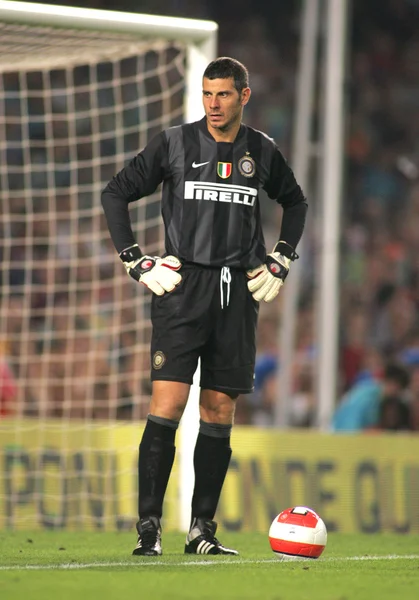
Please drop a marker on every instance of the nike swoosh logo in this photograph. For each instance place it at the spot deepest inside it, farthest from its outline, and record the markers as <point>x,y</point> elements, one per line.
<point>196,165</point>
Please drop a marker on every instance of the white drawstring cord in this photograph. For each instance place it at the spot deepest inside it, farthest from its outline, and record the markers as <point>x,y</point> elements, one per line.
<point>225,277</point>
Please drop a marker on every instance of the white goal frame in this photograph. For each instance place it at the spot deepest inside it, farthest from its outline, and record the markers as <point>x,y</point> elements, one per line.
<point>200,37</point>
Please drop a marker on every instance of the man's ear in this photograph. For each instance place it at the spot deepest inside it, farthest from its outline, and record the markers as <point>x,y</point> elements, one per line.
<point>246,92</point>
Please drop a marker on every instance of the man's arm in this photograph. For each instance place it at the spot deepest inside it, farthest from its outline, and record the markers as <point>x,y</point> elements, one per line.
<point>283,188</point>
<point>138,179</point>
<point>267,279</point>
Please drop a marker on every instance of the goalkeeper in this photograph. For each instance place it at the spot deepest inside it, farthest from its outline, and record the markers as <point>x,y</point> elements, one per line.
<point>206,288</point>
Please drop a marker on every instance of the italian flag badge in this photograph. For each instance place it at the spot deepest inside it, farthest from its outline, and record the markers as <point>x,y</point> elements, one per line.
<point>224,170</point>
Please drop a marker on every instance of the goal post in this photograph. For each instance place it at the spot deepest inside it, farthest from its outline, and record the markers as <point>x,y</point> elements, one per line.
<point>81,92</point>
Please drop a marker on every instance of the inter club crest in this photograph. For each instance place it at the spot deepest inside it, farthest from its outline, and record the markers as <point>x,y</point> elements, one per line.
<point>247,166</point>
<point>224,170</point>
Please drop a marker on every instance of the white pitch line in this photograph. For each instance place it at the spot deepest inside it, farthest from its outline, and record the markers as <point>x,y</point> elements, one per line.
<point>378,557</point>
<point>194,563</point>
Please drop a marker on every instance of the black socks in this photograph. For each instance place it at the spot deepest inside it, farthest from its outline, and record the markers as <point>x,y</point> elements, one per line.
<point>157,453</point>
<point>211,459</point>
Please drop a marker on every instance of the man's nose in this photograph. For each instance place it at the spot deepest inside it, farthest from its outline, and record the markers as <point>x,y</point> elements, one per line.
<point>214,102</point>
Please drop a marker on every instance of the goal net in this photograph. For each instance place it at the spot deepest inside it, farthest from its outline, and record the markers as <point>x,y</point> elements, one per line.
<point>81,92</point>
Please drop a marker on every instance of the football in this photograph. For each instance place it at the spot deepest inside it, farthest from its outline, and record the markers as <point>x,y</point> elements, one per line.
<point>298,532</point>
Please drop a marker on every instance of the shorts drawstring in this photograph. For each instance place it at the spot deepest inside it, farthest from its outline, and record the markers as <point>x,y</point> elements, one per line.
<point>225,278</point>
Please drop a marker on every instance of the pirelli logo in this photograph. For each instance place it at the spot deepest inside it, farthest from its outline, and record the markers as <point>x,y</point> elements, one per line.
<point>220,192</point>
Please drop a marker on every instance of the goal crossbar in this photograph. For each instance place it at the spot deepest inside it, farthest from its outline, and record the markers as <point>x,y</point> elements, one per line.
<point>190,30</point>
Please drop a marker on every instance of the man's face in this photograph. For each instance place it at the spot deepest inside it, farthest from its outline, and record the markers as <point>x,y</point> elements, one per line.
<point>222,103</point>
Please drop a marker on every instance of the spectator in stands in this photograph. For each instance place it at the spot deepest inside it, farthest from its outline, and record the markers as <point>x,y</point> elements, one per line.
<point>394,414</point>
<point>372,401</point>
<point>302,404</point>
<point>262,400</point>
<point>414,398</point>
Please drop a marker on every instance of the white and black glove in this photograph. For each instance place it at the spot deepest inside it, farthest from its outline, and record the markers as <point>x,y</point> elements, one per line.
<point>267,279</point>
<point>158,274</point>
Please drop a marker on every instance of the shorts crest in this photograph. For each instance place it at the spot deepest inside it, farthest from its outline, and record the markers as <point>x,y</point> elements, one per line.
<point>158,360</point>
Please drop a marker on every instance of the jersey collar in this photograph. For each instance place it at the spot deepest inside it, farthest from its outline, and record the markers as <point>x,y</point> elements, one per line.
<point>202,124</point>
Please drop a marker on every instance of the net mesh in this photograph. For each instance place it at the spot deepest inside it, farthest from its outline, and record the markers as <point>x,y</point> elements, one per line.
<point>75,106</point>
<point>74,327</point>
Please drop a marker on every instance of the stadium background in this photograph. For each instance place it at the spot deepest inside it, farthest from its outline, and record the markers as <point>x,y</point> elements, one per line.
<point>365,482</point>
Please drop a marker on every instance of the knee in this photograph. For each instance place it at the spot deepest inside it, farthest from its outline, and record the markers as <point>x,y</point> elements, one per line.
<point>167,410</point>
<point>217,407</point>
<point>169,399</point>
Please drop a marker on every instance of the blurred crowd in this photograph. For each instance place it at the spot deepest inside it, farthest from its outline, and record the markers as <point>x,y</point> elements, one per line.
<point>379,269</point>
<point>379,326</point>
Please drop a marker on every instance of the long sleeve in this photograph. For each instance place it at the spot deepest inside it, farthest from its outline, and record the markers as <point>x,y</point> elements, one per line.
<point>283,188</point>
<point>139,178</point>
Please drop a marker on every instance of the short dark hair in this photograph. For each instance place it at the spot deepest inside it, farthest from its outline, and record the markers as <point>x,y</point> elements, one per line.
<point>226,68</point>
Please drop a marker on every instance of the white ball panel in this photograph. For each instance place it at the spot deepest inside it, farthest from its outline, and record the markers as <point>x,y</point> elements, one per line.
<point>320,534</point>
<point>292,533</point>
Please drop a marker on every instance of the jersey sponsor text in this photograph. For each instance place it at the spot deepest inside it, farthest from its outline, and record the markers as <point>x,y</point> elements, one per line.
<point>220,192</point>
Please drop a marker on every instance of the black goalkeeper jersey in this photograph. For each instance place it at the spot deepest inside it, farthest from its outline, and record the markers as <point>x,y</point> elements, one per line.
<point>210,196</point>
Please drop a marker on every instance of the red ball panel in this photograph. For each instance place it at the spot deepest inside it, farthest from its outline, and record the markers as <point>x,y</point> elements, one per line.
<point>296,549</point>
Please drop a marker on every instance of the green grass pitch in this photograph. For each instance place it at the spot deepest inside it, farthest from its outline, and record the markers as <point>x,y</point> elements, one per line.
<point>56,564</point>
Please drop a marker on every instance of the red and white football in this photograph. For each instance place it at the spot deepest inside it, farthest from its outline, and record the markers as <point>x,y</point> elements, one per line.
<point>298,532</point>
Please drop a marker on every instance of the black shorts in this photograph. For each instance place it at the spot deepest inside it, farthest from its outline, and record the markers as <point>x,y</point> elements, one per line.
<point>210,316</point>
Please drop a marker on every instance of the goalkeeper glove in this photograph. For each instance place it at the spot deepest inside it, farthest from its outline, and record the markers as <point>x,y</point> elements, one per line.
<point>158,274</point>
<point>266,280</point>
